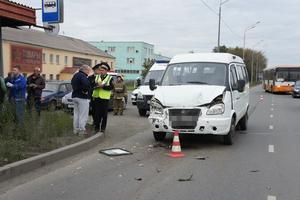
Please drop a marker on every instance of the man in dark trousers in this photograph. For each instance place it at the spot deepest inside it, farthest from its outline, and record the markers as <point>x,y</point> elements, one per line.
<point>2,90</point>
<point>101,95</point>
<point>9,78</point>
<point>92,78</point>
<point>35,86</point>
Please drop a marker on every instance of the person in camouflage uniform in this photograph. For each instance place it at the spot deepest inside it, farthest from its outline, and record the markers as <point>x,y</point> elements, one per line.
<point>119,95</point>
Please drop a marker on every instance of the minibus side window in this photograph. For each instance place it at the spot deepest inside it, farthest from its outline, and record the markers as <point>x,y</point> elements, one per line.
<point>241,75</point>
<point>246,74</point>
<point>233,78</point>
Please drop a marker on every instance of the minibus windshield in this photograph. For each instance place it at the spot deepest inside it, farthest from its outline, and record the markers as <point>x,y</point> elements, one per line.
<point>155,74</point>
<point>195,73</point>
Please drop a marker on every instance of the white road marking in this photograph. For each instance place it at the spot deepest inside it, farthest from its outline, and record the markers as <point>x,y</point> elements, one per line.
<point>271,148</point>
<point>271,116</point>
<point>272,104</point>
<point>259,133</point>
<point>271,127</point>
<point>271,198</point>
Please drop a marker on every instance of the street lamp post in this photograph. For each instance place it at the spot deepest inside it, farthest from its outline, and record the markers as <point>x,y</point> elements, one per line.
<point>220,16</point>
<point>252,67</point>
<point>258,66</point>
<point>247,29</point>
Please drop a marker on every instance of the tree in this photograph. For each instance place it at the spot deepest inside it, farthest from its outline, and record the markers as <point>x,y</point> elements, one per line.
<point>223,49</point>
<point>147,65</point>
<point>253,58</point>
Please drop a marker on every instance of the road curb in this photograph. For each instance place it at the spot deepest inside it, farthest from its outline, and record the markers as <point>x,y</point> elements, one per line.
<point>20,167</point>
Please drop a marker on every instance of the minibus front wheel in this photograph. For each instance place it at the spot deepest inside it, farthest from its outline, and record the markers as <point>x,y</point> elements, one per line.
<point>159,136</point>
<point>227,139</point>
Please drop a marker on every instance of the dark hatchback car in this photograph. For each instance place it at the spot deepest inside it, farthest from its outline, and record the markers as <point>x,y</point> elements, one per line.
<point>53,94</point>
<point>296,89</point>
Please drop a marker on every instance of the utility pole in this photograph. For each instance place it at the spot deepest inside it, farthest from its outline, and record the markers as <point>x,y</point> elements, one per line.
<point>1,52</point>
<point>220,17</point>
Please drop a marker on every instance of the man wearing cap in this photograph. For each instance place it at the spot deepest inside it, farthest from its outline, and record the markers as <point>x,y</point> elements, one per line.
<point>93,84</point>
<point>120,95</point>
<point>35,86</point>
<point>101,95</point>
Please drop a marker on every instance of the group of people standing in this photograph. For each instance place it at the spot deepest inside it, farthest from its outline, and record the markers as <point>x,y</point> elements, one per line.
<point>14,88</point>
<point>95,92</point>
<point>91,94</point>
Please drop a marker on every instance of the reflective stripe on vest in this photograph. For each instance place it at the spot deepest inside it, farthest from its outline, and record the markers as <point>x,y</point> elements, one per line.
<point>99,92</point>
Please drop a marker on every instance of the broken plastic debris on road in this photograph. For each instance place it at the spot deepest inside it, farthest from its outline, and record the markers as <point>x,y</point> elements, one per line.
<point>115,152</point>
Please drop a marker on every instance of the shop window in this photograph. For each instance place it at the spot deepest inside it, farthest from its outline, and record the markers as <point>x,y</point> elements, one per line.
<point>51,77</point>
<point>66,60</point>
<point>57,59</point>
<point>51,58</point>
<point>44,58</point>
<point>57,77</point>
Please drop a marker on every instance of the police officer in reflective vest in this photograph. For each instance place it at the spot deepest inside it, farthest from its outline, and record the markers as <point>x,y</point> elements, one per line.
<point>101,95</point>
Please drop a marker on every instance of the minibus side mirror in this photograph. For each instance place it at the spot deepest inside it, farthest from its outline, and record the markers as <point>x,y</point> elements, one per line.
<point>241,85</point>
<point>152,85</point>
<point>138,82</point>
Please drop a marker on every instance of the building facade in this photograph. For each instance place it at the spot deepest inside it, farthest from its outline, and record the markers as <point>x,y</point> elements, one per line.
<point>130,56</point>
<point>59,57</point>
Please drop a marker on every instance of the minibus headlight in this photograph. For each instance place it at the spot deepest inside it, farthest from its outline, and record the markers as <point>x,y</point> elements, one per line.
<point>140,96</point>
<point>156,107</point>
<point>217,109</point>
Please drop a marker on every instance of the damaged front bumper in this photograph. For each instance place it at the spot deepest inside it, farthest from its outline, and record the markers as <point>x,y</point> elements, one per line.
<point>190,121</point>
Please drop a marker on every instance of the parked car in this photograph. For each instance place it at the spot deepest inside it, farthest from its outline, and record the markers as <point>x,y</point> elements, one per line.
<point>296,89</point>
<point>133,96</point>
<point>67,100</point>
<point>53,93</point>
<point>201,94</point>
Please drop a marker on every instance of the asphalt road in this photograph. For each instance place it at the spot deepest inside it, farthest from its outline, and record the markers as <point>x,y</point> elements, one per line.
<point>263,163</point>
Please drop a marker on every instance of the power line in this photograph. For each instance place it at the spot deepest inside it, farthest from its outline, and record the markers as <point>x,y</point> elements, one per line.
<point>230,29</point>
<point>216,13</point>
<point>210,8</point>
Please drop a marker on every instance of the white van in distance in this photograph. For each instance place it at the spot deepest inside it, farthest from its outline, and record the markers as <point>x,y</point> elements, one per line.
<point>144,94</point>
<point>201,94</point>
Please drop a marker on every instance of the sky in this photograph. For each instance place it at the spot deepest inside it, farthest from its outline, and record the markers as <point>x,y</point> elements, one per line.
<point>181,26</point>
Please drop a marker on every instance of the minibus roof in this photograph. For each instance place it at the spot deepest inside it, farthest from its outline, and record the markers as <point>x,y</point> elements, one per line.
<point>206,57</point>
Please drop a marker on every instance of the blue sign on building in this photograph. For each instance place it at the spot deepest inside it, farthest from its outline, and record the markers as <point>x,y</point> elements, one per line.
<point>52,11</point>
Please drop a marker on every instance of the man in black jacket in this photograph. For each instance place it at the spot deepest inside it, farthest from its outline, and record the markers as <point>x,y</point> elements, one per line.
<point>35,86</point>
<point>101,95</point>
<point>81,95</point>
<point>2,90</point>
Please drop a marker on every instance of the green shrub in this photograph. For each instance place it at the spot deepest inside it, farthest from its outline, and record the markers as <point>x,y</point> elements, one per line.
<point>11,150</point>
<point>35,135</point>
